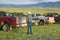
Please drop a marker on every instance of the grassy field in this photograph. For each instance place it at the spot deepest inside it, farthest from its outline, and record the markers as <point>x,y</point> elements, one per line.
<point>36,10</point>
<point>47,32</point>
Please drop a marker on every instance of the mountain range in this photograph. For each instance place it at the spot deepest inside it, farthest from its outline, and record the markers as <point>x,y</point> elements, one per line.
<point>43,5</point>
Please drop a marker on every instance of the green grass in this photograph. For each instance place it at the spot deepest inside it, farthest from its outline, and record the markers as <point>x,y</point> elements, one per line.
<point>47,32</point>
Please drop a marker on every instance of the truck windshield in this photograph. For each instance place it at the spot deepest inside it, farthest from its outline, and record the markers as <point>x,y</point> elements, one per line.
<point>2,13</point>
<point>16,14</point>
<point>38,14</point>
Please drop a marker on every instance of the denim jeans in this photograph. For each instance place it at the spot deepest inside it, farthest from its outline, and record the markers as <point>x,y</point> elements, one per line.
<point>29,31</point>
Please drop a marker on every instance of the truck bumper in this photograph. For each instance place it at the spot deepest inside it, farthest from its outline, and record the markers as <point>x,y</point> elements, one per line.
<point>21,25</point>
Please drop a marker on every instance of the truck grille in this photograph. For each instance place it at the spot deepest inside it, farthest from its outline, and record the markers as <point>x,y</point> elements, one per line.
<point>22,21</point>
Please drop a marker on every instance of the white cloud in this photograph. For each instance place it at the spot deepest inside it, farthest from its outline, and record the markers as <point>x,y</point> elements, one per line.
<point>24,1</point>
<point>18,1</point>
<point>50,0</point>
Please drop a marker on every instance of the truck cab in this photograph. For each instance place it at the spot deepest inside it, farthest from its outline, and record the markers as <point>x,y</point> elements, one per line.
<point>55,15</point>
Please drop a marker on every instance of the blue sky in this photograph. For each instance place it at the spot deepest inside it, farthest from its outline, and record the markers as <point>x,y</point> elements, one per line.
<point>20,2</point>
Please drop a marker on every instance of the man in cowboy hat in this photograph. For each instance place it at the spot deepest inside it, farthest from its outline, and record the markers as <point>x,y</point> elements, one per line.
<point>29,23</point>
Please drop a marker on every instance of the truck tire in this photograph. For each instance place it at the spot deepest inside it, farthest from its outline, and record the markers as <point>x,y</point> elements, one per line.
<point>5,27</point>
<point>42,22</point>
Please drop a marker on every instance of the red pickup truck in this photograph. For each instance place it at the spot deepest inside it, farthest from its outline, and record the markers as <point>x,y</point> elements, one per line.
<point>9,20</point>
<point>55,15</point>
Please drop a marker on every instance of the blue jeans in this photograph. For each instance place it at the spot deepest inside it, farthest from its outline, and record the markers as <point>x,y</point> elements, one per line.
<point>29,31</point>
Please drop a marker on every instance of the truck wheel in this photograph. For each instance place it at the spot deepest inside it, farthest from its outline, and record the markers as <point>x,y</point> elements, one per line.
<point>41,22</point>
<point>6,27</point>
